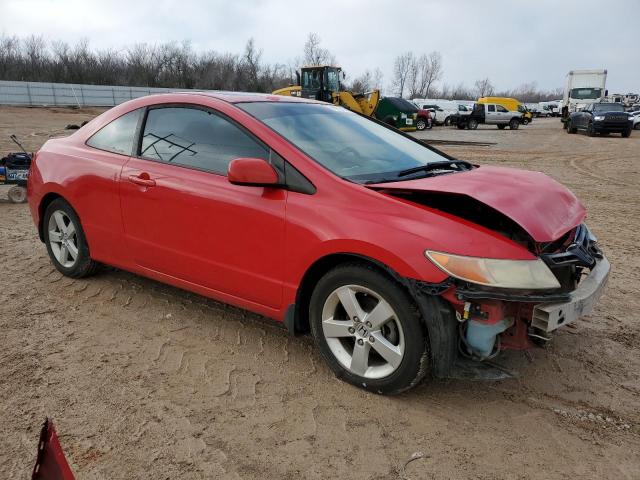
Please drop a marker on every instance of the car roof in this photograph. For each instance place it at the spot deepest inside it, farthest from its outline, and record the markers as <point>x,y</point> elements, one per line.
<point>239,97</point>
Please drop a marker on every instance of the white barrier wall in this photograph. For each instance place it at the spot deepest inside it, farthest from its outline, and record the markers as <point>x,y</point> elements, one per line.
<point>70,94</point>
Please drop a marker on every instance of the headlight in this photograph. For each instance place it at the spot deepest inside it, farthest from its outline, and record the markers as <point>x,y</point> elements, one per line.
<point>598,118</point>
<point>522,274</point>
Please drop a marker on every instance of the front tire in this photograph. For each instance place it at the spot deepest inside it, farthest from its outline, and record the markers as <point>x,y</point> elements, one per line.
<point>590,131</point>
<point>501,127</point>
<point>626,133</point>
<point>447,121</point>
<point>368,329</point>
<point>65,240</point>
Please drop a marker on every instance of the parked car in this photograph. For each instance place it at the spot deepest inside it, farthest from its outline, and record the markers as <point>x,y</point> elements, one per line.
<point>394,255</point>
<point>424,120</point>
<point>397,112</point>
<point>510,104</point>
<point>443,109</point>
<point>602,118</point>
<point>635,116</point>
<point>490,114</point>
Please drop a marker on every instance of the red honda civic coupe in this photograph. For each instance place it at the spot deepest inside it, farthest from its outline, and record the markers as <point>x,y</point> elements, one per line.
<point>399,259</point>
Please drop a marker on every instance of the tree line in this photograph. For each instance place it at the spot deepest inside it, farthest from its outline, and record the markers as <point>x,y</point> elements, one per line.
<point>177,65</point>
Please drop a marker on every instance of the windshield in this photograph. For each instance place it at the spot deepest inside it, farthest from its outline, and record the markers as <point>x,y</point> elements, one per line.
<point>608,107</point>
<point>347,144</point>
<point>585,93</point>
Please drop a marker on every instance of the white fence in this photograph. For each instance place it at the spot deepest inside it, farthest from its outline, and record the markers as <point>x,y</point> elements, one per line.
<point>70,94</point>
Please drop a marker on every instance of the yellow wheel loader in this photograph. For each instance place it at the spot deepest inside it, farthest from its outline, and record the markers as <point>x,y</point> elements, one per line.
<point>322,83</point>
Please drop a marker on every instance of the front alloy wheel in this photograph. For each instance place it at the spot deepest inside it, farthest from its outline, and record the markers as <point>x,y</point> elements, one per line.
<point>362,331</point>
<point>368,329</point>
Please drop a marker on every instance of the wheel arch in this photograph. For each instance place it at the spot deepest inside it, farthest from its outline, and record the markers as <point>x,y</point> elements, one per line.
<point>436,314</point>
<point>297,318</point>
<point>46,200</point>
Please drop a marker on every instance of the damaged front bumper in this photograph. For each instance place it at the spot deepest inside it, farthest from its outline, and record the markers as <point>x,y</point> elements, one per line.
<point>549,316</point>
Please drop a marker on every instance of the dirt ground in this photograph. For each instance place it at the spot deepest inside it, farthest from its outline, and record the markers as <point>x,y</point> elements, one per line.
<point>148,381</point>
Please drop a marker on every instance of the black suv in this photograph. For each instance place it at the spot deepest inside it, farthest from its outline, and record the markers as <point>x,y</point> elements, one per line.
<point>604,118</point>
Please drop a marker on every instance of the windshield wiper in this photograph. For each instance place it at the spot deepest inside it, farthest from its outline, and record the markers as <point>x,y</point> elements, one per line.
<point>442,165</point>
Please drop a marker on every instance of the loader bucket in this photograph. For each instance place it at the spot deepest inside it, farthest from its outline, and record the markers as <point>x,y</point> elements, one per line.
<point>51,463</point>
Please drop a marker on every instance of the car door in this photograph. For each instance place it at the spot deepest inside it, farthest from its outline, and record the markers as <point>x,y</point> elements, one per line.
<point>181,216</point>
<point>503,115</point>
<point>492,117</point>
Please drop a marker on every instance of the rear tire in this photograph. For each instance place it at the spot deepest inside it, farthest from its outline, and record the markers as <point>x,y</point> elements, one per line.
<point>17,194</point>
<point>473,124</point>
<point>354,348</point>
<point>65,240</point>
<point>514,124</point>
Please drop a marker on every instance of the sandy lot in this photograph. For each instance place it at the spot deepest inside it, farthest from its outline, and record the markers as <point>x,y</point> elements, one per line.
<point>148,381</point>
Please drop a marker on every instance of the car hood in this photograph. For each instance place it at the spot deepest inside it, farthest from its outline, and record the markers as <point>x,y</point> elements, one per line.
<point>542,207</point>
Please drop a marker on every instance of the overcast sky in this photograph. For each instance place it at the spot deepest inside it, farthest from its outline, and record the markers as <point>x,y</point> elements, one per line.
<point>511,42</point>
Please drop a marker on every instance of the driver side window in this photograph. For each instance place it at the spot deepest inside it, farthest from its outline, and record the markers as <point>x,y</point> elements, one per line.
<point>196,138</point>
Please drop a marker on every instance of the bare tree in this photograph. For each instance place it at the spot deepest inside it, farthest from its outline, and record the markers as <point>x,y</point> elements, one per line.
<point>363,83</point>
<point>314,54</point>
<point>432,72</point>
<point>401,72</point>
<point>252,65</point>
<point>483,88</point>
<point>376,81</point>
<point>424,71</point>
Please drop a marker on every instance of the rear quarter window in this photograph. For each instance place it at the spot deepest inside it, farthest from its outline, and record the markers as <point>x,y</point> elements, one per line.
<point>118,136</point>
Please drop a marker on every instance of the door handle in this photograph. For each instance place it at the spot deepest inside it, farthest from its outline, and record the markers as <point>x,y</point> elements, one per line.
<point>142,180</point>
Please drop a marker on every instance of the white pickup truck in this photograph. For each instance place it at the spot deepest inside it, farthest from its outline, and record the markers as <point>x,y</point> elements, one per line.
<point>489,114</point>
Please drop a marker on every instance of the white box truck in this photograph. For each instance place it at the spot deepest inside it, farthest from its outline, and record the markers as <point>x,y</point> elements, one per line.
<point>582,88</point>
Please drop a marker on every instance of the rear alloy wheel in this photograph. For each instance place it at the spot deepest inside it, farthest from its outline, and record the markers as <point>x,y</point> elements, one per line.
<point>421,124</point>
<point>65,240</point>
<point>368,329</point>
<point>473,124</point>
<point>514,124</point>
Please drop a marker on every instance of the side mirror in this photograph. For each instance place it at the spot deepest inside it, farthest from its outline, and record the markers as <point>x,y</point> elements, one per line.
<point>254,172</point>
